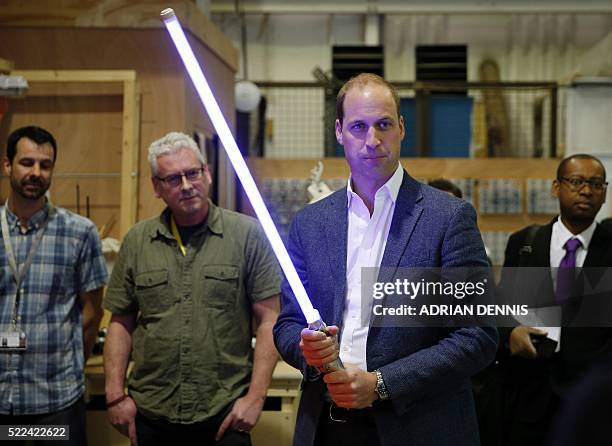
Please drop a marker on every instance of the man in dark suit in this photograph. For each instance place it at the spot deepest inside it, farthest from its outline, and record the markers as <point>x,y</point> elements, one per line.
<point>537,383</point>
<point>401,385</point>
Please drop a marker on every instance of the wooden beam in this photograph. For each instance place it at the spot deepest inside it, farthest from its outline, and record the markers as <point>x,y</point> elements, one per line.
<point>68,89</point>
<point>76,75</point>
<point>129,156</point>
<point>455,168</point>
<point>118,14</point>
<point>478,169</point>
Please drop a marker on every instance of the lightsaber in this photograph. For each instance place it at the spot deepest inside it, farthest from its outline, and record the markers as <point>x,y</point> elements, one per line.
<point>242,171</point>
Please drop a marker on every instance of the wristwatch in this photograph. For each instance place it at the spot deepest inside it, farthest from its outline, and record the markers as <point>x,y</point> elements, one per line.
<point>381,388</point>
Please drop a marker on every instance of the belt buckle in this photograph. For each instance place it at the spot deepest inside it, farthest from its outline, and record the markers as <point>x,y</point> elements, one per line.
<point>333,418</point>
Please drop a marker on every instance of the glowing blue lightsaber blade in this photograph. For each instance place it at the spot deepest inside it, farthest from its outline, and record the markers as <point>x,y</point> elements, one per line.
<point>231,148</point>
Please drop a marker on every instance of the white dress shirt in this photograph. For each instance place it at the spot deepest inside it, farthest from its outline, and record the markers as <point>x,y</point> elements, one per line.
<point>367,238</point>
<point>560,235</point>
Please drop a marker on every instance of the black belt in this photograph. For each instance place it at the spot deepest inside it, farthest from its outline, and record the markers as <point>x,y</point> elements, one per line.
<point>342,415</point>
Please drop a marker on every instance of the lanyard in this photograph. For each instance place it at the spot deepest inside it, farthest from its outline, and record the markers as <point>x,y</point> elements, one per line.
<point>20,273</point>
<point>177,235</point>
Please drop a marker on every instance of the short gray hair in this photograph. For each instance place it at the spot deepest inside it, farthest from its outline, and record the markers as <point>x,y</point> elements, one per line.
<point>171,143</point>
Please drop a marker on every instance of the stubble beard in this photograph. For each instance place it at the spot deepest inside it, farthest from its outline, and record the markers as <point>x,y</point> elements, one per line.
<point>20,188</point>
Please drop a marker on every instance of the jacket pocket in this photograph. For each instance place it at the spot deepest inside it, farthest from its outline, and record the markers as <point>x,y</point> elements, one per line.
<point>151,289</point>
<point>220,285</point>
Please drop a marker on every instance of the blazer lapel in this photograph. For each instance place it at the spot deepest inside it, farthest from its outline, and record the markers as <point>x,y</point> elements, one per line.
<point>405,216</point>
<point>541,245</point>
<point>541,258</point>
<point>334,225</point>
<point>598,248</point>
<point>596,263</point>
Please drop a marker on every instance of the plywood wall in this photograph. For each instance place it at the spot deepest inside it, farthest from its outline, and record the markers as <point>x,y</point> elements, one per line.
<point>86,120</point>
<point>84,150</point>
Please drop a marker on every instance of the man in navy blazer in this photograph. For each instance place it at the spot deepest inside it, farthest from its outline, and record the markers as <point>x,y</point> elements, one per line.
<point>407,386</point>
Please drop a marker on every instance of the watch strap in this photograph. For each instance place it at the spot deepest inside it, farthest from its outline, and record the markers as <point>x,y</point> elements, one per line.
<point>381,387</point>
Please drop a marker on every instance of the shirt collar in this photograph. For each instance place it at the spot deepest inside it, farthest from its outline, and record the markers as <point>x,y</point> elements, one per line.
<point>35,220</point>
<point>391,187</point>
<point>562,234</point>
<point>214,222</point>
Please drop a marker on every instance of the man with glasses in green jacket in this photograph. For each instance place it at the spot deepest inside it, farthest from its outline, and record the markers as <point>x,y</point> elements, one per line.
<point>184,291</point>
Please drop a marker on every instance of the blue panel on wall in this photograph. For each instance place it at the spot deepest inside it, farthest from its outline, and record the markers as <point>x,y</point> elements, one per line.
<point>450,127</point>
<point>409,113</point>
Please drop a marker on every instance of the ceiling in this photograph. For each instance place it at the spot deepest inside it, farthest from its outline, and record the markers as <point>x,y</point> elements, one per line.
<point>409,6</point>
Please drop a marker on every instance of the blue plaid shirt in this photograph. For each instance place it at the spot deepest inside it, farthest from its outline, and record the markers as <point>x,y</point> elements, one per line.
<point>49,375</point>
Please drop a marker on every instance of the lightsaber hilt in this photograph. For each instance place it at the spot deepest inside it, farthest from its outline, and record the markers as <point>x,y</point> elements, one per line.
<point>336,364</point>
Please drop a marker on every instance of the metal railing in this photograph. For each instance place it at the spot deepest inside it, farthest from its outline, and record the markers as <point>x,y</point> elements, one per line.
<point>505,119</point>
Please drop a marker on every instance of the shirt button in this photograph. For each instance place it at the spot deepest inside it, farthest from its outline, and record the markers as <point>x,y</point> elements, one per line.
<point>346,349</point>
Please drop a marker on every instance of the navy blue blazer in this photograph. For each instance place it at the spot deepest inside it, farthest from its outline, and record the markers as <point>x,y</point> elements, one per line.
<point>427,370</point>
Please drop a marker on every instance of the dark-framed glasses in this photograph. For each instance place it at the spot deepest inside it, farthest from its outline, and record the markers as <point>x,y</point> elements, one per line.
<point>176,179</point>
<point>577,183</point>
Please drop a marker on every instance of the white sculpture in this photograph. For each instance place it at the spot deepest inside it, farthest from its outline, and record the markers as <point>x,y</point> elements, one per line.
<point>317,189</point>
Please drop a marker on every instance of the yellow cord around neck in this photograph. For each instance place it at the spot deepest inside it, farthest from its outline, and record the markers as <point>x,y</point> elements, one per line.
<point>177,235</point>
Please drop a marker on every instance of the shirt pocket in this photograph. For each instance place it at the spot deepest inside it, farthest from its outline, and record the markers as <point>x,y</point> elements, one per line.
<point>220,285</point>
<point>151,289</point>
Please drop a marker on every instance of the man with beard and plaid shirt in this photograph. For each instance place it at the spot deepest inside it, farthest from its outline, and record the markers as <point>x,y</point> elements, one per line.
<point>52,273</point>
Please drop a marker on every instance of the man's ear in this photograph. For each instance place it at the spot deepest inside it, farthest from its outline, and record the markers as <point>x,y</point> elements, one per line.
<point>207,175</point>
<point>554,190</point>
<point>7,166</point>
<point>156,186</point>
<point>339,132</point>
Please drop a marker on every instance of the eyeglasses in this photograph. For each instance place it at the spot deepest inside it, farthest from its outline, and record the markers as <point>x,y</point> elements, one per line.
<point>578,183</point>
<point>174,180</point>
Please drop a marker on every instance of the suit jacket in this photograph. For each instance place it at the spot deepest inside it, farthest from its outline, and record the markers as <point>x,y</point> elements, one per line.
<point>587,413</point>
<point>426,370</point>
<point>541,379</point>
